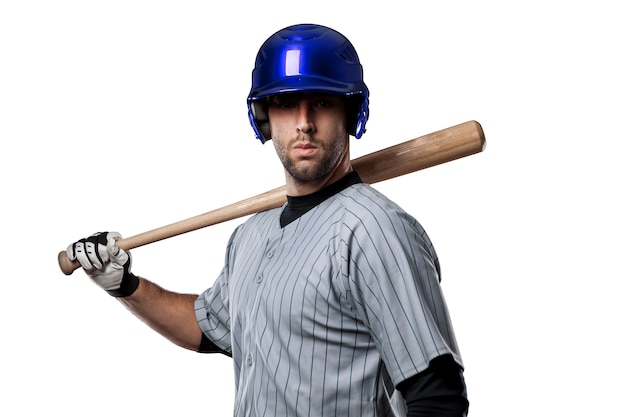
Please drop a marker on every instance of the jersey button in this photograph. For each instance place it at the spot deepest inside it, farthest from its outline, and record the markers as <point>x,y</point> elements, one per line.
<point>270,254</point>
<point>259,279</point>
<point>249,360</point>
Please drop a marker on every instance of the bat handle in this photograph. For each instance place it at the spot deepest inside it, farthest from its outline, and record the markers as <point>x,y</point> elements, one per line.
<point>66,265</point>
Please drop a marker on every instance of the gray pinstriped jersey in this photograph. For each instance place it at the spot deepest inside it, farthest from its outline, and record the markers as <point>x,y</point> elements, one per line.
<point>317,312</point>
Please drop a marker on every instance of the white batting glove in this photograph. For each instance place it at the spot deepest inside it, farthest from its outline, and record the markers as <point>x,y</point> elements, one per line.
<point>105,263</point>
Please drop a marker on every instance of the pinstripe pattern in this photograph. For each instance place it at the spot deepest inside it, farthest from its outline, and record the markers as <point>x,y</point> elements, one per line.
<point>310,310</point>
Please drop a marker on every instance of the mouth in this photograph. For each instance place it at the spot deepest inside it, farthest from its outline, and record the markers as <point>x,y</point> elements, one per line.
<point>305,149</point>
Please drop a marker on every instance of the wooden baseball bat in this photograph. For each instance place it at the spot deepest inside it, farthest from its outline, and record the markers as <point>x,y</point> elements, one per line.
<point>425,151</point>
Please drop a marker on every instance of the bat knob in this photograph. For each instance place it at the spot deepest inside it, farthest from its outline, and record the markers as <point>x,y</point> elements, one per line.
<point>66,265</point>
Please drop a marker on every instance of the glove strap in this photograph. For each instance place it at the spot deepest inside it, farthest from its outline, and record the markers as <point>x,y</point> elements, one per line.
<point>129,284</point>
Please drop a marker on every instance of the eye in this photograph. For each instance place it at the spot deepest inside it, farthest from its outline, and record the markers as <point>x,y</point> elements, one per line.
<point>327,102</point>
<point>282,103</point>
<point>323,103</point>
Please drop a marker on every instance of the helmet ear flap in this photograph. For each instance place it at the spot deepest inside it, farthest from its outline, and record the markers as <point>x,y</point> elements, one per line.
<point>361,118</point>
<point>357,110</point>
<point>260,120</point>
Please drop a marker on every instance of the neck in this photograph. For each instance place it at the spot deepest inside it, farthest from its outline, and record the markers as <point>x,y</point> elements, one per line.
<point>295,188</point>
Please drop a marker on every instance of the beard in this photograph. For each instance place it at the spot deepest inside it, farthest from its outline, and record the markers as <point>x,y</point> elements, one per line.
<point>317,169</point>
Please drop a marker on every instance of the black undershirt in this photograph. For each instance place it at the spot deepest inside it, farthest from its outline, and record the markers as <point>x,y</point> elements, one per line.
<point>298,206</point>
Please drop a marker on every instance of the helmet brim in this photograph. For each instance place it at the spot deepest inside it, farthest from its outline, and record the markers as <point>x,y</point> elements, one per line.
<point>307,84</point>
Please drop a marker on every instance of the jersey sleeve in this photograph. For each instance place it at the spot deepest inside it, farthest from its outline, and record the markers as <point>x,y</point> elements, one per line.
<point>212,307</point>
<point>392,278</point>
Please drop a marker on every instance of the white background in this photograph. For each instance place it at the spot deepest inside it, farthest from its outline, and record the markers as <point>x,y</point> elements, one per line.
<point>130,115</point>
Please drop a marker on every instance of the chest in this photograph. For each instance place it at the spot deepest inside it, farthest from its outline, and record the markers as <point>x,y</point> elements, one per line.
<point>289,279</point>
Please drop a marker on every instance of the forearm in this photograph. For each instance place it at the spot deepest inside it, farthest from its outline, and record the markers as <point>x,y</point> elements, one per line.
<point>170,314</point>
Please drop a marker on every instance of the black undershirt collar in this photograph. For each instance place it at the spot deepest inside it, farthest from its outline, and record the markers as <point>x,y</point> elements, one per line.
<point>297,206</point>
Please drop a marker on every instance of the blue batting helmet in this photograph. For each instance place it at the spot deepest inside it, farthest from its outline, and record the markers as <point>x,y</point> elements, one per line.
<point>312,58</point>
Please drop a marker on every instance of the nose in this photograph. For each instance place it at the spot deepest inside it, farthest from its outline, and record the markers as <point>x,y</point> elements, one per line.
<point>305,122</point>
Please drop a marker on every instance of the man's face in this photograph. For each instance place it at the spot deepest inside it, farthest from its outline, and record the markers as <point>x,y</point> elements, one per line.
<point>309,134</point>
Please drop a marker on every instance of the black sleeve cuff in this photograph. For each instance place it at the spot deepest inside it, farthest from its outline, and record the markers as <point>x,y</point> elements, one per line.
<point>438,391</point>
<point>129,285</point>
<point>206,346</point>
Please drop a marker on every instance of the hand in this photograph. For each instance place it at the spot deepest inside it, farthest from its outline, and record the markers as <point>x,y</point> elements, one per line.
<point>105,263</point>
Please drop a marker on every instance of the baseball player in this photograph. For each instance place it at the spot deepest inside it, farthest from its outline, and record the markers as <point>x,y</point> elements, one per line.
<point>330,305</point>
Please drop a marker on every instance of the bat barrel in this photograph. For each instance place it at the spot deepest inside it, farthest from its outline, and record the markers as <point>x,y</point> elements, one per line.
<point>423,152</point>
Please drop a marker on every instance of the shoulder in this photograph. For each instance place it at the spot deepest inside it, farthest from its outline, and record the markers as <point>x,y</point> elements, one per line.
<point>255,226</point>
<point>262,218</point>
<point>374,221</point>
<point>365,203</point>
